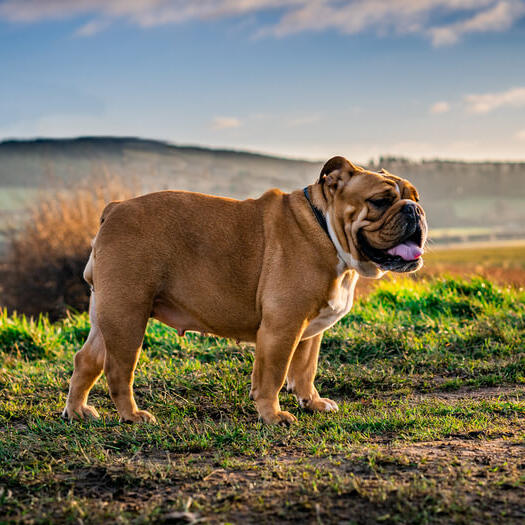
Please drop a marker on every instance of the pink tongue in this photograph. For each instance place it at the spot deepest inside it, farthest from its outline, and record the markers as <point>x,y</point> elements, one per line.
<point>408,251</point>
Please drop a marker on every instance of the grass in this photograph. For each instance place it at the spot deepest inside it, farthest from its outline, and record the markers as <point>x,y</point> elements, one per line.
<point>430,377</point>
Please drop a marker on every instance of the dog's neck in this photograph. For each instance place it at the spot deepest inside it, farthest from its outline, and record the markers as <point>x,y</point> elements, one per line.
<point>319,215</point>
<point>346,260</point>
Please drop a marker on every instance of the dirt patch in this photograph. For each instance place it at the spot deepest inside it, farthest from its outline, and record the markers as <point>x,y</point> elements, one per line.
<point>481,451</point>
<point>385,483</point>
<point>461,480</point>
<point>478,393</point>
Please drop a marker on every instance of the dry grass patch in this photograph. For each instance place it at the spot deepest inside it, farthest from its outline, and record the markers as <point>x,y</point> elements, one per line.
<point>46,256</point>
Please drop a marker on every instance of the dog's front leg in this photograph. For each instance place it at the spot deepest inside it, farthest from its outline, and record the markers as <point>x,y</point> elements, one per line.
<point>273,353</point>
<point>301,375</point>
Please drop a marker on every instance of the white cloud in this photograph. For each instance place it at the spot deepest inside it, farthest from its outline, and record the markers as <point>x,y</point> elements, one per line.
<point>225,123</point>
<point>349,17</point>
<point>92,27</point>
<point>498,17</point>
<point>30,11</point>
<point>487,102</point>
<point>520,135</point>
<point>439,107</point>
<point>144,13</point>
<point>387,16</point>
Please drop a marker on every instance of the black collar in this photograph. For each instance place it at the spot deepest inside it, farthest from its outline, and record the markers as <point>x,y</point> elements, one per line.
<point>317,212</point>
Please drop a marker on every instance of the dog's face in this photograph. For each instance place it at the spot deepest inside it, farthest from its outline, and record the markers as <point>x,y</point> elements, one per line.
<point>375,218</point>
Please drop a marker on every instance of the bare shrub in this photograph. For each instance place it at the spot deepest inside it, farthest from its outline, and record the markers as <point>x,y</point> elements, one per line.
<point>46,255</point>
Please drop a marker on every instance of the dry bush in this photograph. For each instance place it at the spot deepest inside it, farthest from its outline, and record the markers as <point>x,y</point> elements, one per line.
<point>46,255</point>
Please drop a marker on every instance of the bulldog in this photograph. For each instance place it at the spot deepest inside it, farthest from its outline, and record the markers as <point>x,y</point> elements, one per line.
<point>277,271</point>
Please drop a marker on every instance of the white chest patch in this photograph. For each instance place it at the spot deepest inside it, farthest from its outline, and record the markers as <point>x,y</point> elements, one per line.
<point>338,305</point>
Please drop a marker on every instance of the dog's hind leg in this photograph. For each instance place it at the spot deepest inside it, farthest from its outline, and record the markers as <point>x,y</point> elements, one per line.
<point>301,375</point>
<point>123,334</point>
<point>89,362</point>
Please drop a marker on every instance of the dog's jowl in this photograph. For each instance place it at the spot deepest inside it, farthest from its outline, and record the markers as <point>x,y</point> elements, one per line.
<point>277,271</point>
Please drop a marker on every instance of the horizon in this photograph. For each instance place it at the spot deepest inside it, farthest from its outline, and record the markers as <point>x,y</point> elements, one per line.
<point>294,79</point>
<point>219,149</point>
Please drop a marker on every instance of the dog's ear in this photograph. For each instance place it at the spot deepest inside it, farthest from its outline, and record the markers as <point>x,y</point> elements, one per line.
<point>338,164</point>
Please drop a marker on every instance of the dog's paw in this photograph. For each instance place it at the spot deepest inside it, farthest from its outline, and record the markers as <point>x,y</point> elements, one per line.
<point>81,412</point>
<point>140,416</point>
<point>321,404</point>
<point>280,418</point>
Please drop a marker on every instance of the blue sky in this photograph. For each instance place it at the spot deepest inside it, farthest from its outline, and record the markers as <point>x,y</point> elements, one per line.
<point>419,78</point>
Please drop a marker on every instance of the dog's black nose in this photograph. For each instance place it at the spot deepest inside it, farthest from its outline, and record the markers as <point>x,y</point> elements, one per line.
<point>412,210</point>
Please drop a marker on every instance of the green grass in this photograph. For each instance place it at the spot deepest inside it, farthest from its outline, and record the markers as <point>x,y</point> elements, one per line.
<point>430,377</point>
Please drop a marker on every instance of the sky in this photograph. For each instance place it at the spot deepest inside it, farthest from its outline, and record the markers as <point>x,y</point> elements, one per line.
<point>303,79</point>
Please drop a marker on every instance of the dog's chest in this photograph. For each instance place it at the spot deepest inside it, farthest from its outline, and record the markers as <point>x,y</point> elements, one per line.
<point>338,305</point>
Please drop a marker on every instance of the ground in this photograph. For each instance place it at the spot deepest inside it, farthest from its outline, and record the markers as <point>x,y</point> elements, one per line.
<point>429,375</point>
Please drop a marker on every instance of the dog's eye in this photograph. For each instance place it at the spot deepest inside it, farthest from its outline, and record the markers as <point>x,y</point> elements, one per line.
<point>379,203</point>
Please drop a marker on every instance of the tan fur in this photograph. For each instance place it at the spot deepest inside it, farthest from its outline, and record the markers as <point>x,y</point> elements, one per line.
<point>256,270</point>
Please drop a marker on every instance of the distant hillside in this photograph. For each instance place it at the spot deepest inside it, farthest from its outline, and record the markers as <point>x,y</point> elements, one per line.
<point>155,164</point>
<point>455,194</point>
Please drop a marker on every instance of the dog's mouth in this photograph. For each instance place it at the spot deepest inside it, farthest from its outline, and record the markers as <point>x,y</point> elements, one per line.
<point>404,256</point>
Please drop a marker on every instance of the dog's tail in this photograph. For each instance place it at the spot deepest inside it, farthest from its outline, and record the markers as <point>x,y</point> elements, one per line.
<point>88,270</point>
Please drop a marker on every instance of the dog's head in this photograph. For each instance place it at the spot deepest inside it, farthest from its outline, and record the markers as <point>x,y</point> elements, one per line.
<point>374,218</point>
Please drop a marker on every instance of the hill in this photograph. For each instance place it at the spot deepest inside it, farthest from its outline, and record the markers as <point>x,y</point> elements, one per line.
<point>154,164</point>
<point>479,198</point>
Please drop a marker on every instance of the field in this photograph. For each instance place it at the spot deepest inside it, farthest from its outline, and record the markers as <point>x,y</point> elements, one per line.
<point>502,262</point>
<point>430,377</point>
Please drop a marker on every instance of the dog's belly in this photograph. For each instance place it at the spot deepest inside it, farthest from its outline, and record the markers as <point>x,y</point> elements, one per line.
<point>338,306</point>
<point>179,319</point>
<point>183,321</point>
